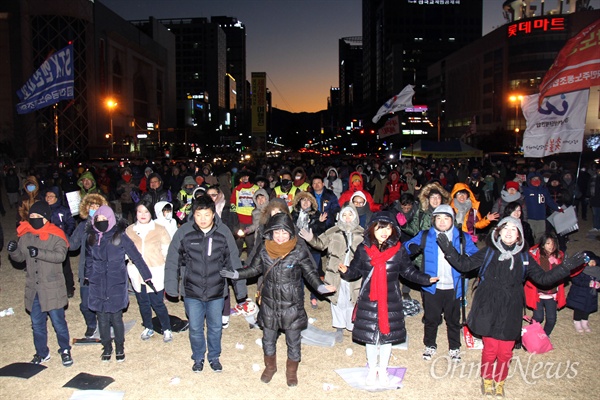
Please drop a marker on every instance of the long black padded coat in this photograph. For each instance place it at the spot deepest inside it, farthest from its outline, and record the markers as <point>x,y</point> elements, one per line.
<point>282,306</point>
<point>366,327</point>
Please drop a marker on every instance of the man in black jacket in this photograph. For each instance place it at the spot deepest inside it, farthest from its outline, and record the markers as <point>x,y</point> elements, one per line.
<point>200,249</point>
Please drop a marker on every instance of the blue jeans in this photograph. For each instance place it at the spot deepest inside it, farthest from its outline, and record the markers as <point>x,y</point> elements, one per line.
<point>88,315</point>
<point>197,312</point>
<point>148,301</point>
<point>39,320</point>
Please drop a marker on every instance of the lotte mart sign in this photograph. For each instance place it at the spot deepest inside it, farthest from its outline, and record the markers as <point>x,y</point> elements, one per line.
<point>536,26</point>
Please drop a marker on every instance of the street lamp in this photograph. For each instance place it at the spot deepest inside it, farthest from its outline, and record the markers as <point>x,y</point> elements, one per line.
<point>111,104</point>
<point>516,98</point>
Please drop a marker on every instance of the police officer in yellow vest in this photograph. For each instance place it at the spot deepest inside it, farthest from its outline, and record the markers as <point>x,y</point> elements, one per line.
<point>242,204</point>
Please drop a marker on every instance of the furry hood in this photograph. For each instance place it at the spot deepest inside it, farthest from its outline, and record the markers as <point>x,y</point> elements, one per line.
<point>348,226</point>
<point>260,192</point>
<point>304,195</point>
<point>89,199</point>
<point>275,203</point>
<point>424,194</point>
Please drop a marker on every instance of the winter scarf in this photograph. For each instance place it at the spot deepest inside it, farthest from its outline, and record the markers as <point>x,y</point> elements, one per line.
<point>379,287</point>
<point>280,250</point>
<point>44,232</point>
<point>508,252</point>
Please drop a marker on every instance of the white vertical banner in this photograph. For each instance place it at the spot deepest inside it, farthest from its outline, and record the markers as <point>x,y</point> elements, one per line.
<point>556,126</point>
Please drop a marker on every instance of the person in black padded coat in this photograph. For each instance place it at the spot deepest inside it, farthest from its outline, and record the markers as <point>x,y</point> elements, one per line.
<point>379,323</point>
<point>283,262</point>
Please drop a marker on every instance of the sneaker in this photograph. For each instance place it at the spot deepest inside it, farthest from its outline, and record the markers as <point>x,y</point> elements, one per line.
<point>37,359</point>
<point>198,366</point>
<point>106,355</point>
<point>245,308</point>
<point>500,389</point>
<point>216,365</point>
<point>455,355</point>
<point>89,332</point>
<point>167,336</point>
<point>147,334</point>
<point>487,387</point>
<point>429,352</point>
<point>225,321</point>
<point>67,360</point>
<point>120,357</point>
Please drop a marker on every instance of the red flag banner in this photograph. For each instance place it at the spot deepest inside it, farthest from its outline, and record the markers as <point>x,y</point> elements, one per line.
<point>577,65</point>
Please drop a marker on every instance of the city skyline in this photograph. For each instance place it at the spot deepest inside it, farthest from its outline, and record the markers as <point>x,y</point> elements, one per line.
<point>298,49</point>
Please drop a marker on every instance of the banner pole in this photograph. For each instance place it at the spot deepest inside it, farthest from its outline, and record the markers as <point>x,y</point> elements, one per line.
<point>56,128</point>
<point>578,167</point>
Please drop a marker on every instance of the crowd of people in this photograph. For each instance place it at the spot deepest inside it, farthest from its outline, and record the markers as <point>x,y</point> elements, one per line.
<point>359,235</point>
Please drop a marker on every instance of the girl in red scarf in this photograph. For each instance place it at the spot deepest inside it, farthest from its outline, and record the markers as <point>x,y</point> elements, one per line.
<point>379,315</point>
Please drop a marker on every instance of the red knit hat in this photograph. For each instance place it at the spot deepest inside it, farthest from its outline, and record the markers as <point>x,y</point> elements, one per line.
<point>512,185</point>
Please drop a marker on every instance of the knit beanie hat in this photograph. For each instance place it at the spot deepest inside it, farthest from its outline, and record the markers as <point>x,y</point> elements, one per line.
<point>42,208</point>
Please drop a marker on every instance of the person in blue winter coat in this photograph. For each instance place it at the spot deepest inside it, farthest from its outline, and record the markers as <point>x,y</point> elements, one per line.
<point>537,198</point>
<point>444,296</point>
<point>583,295</point>
<point>88,206</point>
<point>106,274</point>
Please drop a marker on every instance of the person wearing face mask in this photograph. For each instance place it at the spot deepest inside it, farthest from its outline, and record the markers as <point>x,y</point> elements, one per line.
<point>497,307</point>
<point>106,275</point>
<point>537,199</point>
<point>152,241</point>
<point>333,182</point>
<point>285,190</point>
<point>125,188</point>
<point>43,246</point>
<point>300,184</point>
<point>164,216</point>
<point>87,208</point>
<point>31,194</point>
<point>184,198</point>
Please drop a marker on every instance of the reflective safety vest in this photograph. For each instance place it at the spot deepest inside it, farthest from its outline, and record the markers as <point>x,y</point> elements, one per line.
<point>244,200</point>
<point>289,197</point>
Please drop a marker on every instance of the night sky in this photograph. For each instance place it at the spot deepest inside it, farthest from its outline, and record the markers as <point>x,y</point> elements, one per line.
<point>294,41</point>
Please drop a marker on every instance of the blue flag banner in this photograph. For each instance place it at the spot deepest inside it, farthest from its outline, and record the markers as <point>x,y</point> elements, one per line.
<point>52,82</point>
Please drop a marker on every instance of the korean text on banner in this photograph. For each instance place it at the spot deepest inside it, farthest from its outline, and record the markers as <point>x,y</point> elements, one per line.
<point>577,65</point>
<point>400,102</point>
<point>391,127</point>
<point>556,126</point>
<point>52,82</point>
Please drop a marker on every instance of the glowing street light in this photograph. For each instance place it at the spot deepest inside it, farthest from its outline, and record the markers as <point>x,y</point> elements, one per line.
<point>516,99</point>
<point>111,104</point>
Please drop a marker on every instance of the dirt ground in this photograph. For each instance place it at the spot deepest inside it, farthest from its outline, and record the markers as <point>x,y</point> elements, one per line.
<point>568,372</point>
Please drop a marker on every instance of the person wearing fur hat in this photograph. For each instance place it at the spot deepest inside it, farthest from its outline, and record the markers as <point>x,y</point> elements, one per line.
<point>31,190</point>
<point>339,243</point>
<point>497,308</point>
<point>380,260</point>
<point>284,263</point>
<point>466,208</point>
<point>431,196</point>
<point>43,246</point>
<point>61,217</point>
<point>106,275</point>
<point>444,297</point>
<point>87,208</point>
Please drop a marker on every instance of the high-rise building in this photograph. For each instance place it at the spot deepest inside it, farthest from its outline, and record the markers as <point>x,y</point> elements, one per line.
<point>401,38</point>
<point>201,65</point>
<point>235,36</point>
<point>350,78</point>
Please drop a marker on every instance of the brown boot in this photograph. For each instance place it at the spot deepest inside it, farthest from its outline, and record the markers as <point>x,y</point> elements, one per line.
<point>291,372</point>
<point>270,368</point>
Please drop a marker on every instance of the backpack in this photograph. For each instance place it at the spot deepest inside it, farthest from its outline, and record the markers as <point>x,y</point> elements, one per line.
<point>489,254</point>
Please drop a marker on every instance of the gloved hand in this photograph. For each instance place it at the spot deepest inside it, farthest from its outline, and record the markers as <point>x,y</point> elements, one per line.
<point>86,282</point>
<point>576,260</point>
<point>324,289</point>
<point>150,285</point>
<point>33,251</point>
<point>414,249</point>
<point>306,234</point>
<point>401,219</point>
<point>444,243</point>
<point>11,246</point>
<point>225,273</point>
<point>560,210</point>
